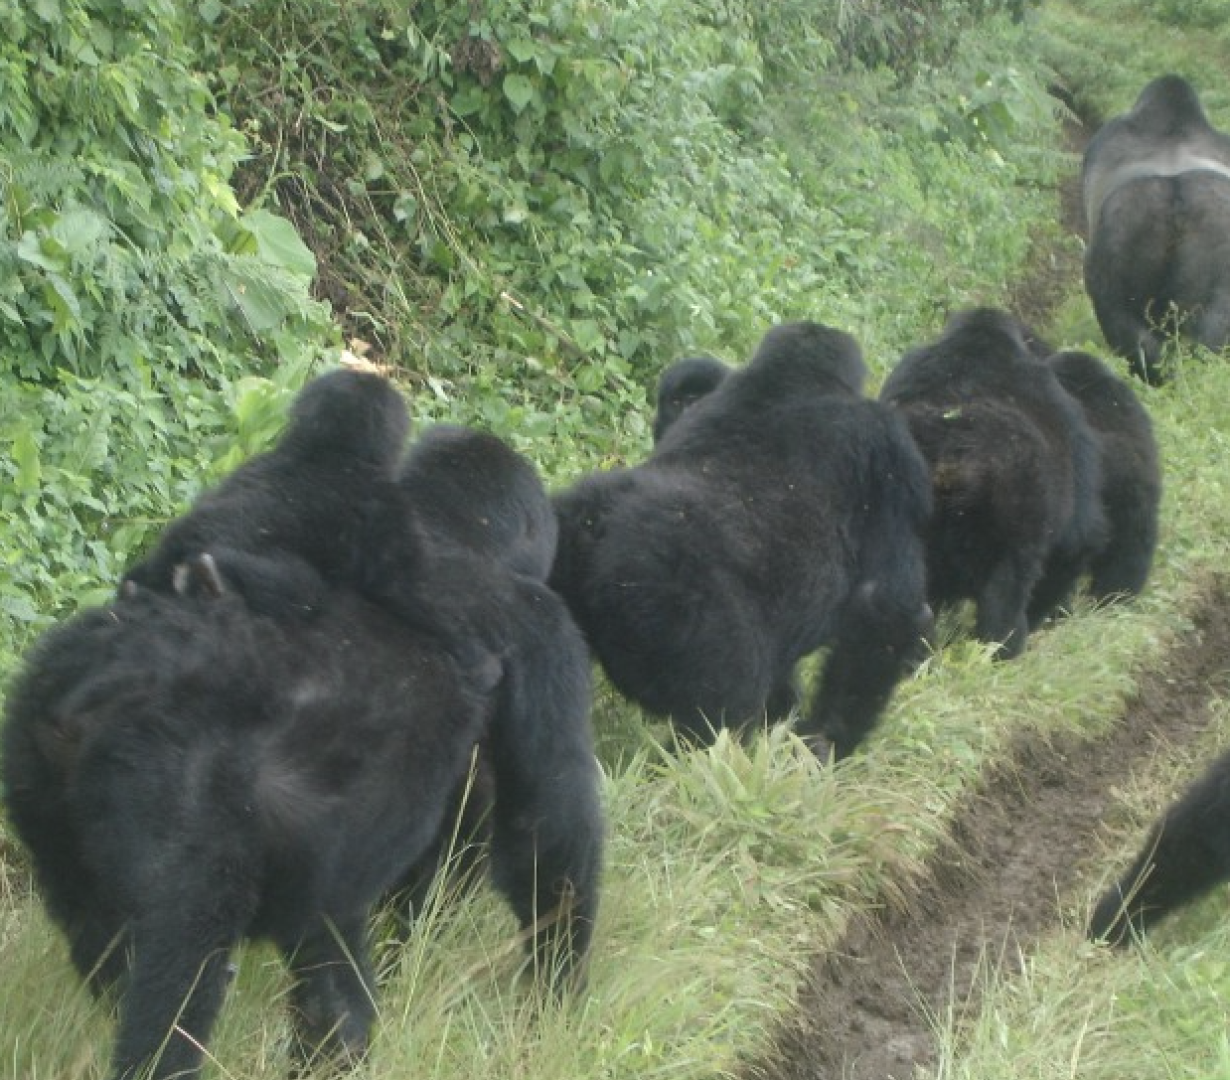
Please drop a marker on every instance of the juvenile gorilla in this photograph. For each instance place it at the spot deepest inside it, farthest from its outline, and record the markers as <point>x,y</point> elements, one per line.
<point>1014,468</point>
<point>1131,487</point>
<point>683,384</point>
<point>1186,854</point>
<point>779,513</point>
<point>187,774</point>
<point>488,539</point>
<point>1156,185</point>
<point>483,496</point>
<point>317,510</point>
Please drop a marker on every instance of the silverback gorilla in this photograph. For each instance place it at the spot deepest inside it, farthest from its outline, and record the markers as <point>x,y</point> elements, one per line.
<point>1015,472</point>
<point>188,773</point>
<point>1186,854</point>
<point>779,513</point>
<point>1156,186</point>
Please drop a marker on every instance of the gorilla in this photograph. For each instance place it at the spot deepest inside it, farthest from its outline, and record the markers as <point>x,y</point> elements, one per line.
<point>1014,468</point>
<point>318,509</point>
<point>779,513</point>
<point>681,385</point>
<point>187,773</point>
<point>1156,187</point>
<point>488,540</point>
<point>1131,488</point>
<point>484,496</point>
<point>1186,854</point>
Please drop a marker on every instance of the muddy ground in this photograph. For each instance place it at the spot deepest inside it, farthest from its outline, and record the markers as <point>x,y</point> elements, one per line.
<point>1018,846</point>
<point>1017,850</point>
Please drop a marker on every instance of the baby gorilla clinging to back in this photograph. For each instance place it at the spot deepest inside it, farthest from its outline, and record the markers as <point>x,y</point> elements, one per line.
<point>188,772</point>
<point>318,509</point>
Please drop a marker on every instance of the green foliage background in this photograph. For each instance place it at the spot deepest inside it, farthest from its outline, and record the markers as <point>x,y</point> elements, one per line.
<point>525,208</point>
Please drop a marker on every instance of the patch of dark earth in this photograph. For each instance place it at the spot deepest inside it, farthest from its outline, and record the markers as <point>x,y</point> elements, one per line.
<point>1019,846</point>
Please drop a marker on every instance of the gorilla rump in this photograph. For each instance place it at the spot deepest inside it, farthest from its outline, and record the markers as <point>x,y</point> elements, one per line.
<point>320,508</point>
<point>1131,487</point>
<point>781,512</point>
<point>1186,854</point>
<point>187,774</point>
<point>1015,473</point>
<point>1156,185</point>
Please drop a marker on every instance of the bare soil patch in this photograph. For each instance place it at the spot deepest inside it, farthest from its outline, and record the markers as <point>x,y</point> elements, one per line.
<point>1018,846</point>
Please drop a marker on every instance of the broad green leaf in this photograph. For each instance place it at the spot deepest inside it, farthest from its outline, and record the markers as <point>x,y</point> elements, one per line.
<point>279,243</point>
<point>519,91</point>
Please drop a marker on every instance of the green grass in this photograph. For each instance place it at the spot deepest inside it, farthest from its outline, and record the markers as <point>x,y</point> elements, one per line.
<point>727,869</point>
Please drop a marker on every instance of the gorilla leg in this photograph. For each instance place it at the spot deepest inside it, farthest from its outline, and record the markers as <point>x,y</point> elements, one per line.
<point>332,996</point>
<point>547,825</point>
<point>178,978</point>
<point>1187,854</point>
<point>1001,608</point>
<point>879,641</point>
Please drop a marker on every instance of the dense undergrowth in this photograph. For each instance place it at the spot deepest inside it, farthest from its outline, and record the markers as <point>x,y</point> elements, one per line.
<point>525,209</point>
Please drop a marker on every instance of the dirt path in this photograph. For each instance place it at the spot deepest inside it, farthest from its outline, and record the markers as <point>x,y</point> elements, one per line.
<point>1017,845</point>
<point>1017,848</point>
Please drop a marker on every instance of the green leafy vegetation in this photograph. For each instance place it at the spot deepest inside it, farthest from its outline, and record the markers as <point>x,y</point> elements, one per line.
<point>525,208</point>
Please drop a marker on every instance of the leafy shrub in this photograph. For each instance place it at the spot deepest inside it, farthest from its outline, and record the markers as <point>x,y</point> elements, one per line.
<point>133,291</point>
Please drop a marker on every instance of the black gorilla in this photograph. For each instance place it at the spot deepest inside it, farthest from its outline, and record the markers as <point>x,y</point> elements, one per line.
<point>1014,468</point>
<point>187,772</point>
<point>318,509</point>
<point>482,495</point>
<point>779,513</point>
<point>1186,854</point>
<point>1131,487</point>
<point>488,540</point>
<point>681,385</point>
<point>1156,185</point>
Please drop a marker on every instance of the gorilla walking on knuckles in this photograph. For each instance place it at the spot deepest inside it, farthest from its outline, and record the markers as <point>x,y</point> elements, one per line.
<point>1118,563</point>
<point>1014,468</point>
<point>779,513</point>
<point>1156,185</point>
<point>188,773</point>
<point>488,534</point>
<point>1186,854</point>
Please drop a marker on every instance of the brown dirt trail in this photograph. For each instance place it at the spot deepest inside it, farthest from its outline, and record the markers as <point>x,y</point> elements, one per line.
<point>1017,847</point>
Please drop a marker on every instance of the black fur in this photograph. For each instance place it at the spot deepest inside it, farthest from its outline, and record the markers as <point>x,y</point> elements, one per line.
<point>1186,854</point>
<point>319,509</point>
<point>484,496</point>
<point>1131,488</point>
<point>188,773</point>
<point>779,513</point>
<point>1014,468</point>
<point>681,385</point>
<point>488,534</point>
<point>1156,185</point>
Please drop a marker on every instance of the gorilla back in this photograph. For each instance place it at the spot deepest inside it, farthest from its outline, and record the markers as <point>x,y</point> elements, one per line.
<point>779,513</point>
<point>187,775</point>
<point>1156,188</point>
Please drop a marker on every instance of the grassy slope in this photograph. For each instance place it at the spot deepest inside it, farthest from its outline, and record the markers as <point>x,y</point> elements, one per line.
<point>725,868</point>
<point>1158,1011</point>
